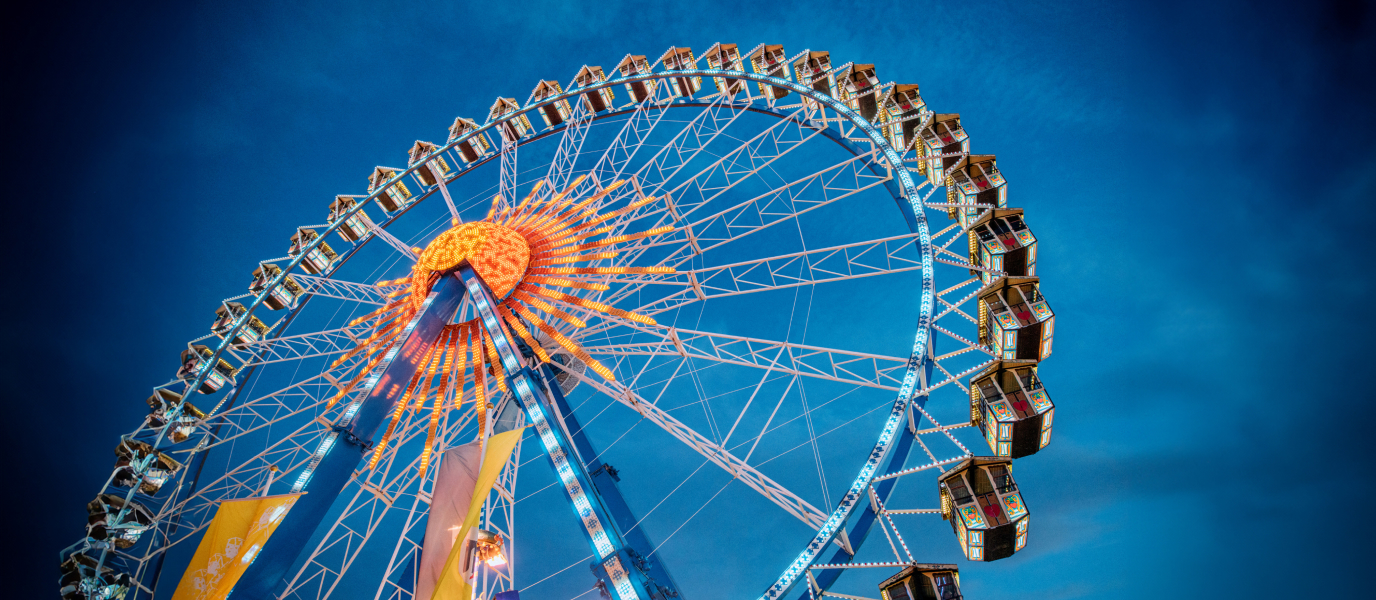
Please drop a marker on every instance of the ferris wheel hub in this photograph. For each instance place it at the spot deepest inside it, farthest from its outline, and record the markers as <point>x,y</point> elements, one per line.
<point>497,253</point>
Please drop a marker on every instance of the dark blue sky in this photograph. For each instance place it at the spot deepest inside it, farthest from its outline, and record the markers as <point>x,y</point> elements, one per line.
<point>1194,167</point>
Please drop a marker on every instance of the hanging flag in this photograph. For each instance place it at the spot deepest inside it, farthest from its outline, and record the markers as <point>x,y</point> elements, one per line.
<point>452,584</point>
<point>448,506</point>
<point>231,542</point>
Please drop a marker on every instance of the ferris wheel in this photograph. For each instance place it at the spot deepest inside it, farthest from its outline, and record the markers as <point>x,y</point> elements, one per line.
<point>781,295</point>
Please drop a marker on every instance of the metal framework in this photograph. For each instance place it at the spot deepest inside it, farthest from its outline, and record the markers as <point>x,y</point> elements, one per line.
<point>290,430</point>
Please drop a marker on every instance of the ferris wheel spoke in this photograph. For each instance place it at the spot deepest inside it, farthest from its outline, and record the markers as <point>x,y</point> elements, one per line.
<point>856,368</point>
<point>507,179</point>
<point>771,490</point>
<point>392,241</point>
<point>300,346</point>
<point>623,148</point>
<point>566,154</point>
<point>363,293</point>
<point>683,148</point>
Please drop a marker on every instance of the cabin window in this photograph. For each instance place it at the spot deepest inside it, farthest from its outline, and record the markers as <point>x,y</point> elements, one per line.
<point>898,591</point>
<point>959,493</point>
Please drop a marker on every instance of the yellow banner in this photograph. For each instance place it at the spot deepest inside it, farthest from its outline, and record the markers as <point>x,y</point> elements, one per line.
<point>453,585</point>
<point>231,542</point>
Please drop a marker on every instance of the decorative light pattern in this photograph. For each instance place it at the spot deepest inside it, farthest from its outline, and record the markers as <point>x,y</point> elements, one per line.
<point>524,255</point>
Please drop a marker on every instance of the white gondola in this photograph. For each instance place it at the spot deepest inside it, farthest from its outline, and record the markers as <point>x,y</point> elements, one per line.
<point>982,502</point>
<point>356,226</point>
<point>396,196</point>
<point>318,259</point>
<point>426,175</point>
<point>678,59</point>
<point>1012,408</point>
<point>194,358</point>
<point>140,465</point>
<point>280,296</point>
<point>726,57</point>
<point>1001,241</point>
<point>556,112</point>
<point>770,60</point>
<point>227,314</point>
<point>167,408</point>
<point>1015,319</point>
<point>923,582</point>
<point>112,521</point>
<point>635,64</point>
<point>859,89</point>
<point>597,100</point>
<point>514,129</point>
<point>902,115</point>
<point>477,147</point>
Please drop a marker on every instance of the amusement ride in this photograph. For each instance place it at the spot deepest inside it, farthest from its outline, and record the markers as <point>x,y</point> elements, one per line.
<point>744,272</point>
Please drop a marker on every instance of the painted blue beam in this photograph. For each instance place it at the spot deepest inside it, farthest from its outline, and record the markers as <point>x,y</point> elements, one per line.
<point>345,448</point>
<point>624,572</point>
<point>606,485</point>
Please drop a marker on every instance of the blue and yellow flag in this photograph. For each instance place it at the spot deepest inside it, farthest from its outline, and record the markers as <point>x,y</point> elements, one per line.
<point>234,538</point>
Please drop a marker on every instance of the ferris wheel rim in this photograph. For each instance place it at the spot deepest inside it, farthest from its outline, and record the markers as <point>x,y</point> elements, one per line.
<point>914,210</point>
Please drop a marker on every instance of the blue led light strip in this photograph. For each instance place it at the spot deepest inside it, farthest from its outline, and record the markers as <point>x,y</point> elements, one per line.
<point>605,541</point>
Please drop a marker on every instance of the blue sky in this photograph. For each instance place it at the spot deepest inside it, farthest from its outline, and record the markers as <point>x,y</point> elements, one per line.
<point>1193,168</point>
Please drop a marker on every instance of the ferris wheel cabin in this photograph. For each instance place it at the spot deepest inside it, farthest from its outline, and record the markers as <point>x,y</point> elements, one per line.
<point>436,164</point>
<point>227,314</point>
<point>280,296</point>
<point>194,358</point>
<point>923,582</point>
<point>770,60</point>
<point>140,465</point>
<point>1012,409</point>
<point>84,578</point>
<point>679,59</point>
<point>318,259</point>
<point>903,110</point>
<point>113,521</point>
<point>166,408</point>
<point>1015,319</point>
<point>396,196</point>
<point>357,226</point>
<point>942,136</point>
<point>474,148</point>
<point>556,112</point>
<point>814,70</point>
<point>514,129</point>
<point>598,100</point>
<point>1001,241</point>
<point>981,500</point>
<point>975,180</point>
<point>725,57</point>
<point>860,90</point>
<point>635,64</point>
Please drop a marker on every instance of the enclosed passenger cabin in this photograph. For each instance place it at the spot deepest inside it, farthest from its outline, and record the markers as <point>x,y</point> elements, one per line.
<point>725,57</point>
<point>167,408</point>
<point>476,147</point>
<point>1012,409</point>
<point>860,90</point>
<point>600,99</point>
<point>227,314</point>
<point>636,65</point>
<point>436,164</point>
<point>139,464</point>
<point>981,500</point>
<point>515,128</point>
<point>111,520</point>
<point>396,196</point>
<point>318,259</point>
<point>813,69</point>
<point>943,135</point>
<point>194,358</point>
<point>553,113</point>
<point>903,110</point>
<point>679,59</point>
<point>923,582</point>
<point>1000,240</point>
<point>83,578</point>
<point>357,226</point>
<point>975,180</point>
<point>770,60</point>
<point>280,296</point>
<point>1015,319</point>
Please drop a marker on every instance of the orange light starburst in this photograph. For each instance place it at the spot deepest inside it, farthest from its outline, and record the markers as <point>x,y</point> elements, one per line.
<point>527,255</point>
